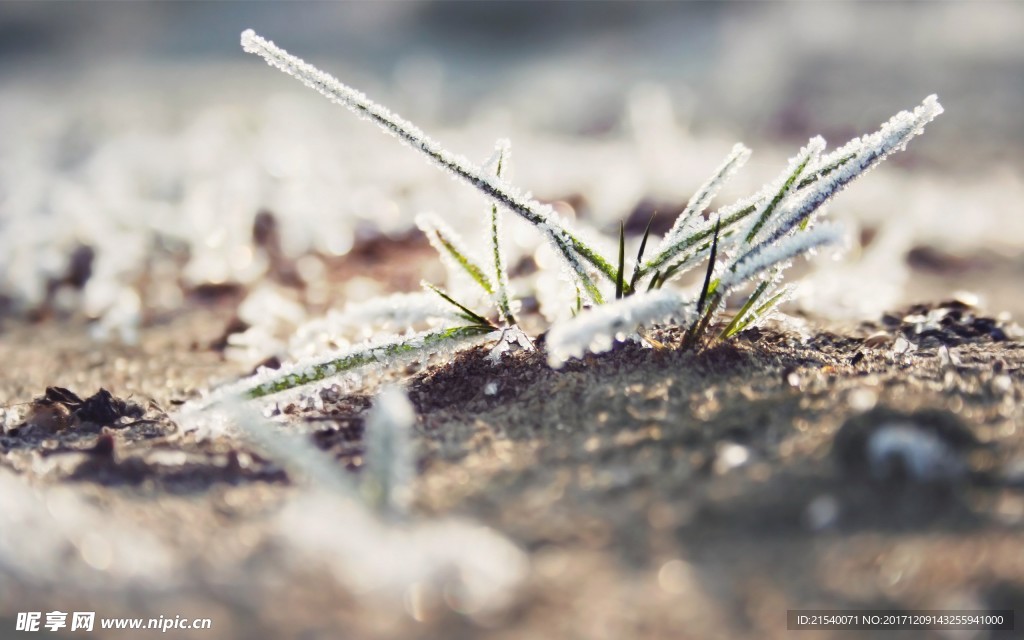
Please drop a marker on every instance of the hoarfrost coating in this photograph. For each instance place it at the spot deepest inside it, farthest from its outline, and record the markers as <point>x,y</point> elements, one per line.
<point>541,215</point>
<point>764,256</point>
<point>597,330</point>
<point>866,153</point>
<point>700,200</point>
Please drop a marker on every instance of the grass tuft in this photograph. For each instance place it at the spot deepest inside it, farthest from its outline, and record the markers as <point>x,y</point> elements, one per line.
<point>749,242</point>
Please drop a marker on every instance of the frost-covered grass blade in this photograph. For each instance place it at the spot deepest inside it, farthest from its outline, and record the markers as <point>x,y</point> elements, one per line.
<point>702,198</point>
<point>597,329</point>
<point>452,249</point>
<point>502,295</point>
<point>746,317</point>
<point>464,311</point>
<point>574,252</point>
<point>383,353</point>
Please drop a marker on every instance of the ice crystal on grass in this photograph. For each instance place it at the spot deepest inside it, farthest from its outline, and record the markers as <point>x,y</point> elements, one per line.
<point>360,320</point>
<point>597,330</point>
<point>512,339</point>
<point>381,353</point>
<point>683,225</point>
<point>576,254</point>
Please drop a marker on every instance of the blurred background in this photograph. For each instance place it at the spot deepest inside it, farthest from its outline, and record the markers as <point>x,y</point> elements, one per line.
<point>140,141</point>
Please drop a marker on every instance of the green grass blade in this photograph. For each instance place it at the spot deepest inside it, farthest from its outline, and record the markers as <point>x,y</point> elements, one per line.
<point>731,329</point>
<point>620,275</point>
<point>592,256</point>
<point>810,154</point>
<point>380,353</point>
<point>824,171</point>
<point>465,311</point>
<point>448,244</point>
<point>703,320</point>
<point>640,253</point>
<point>655,281</point>
<point>757,313</point>
<point>500,272</point>
<point>711,268</point>
<point>729,222</point>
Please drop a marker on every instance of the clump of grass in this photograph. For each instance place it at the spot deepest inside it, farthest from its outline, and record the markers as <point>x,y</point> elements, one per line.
<point>745,245</point>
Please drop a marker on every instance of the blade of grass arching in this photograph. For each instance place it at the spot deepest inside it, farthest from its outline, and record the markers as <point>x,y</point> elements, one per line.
<point>466,312</point>
<point>759,312</point>
<point>711,269</point>
<point>500,273</point>
<point>380,353</point>
<point>870,150</point>
<point>729,220</point>
<point>447,243</point>
<point>591,255</point>
<point>686,261</point>
<point>806,156</point>
<point>731,329</point>
<point>704,313</point>
<point>640,253</point>
<point>705,193</point>
<point>540,215</point>
<point>824,171</point>
<point>620,275</point>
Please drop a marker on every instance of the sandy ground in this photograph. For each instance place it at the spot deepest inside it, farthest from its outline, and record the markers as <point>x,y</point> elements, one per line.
<point>657,492</point>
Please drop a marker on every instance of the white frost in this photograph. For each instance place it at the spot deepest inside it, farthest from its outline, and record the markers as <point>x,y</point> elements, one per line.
<point>541,215</point>
<point>596,330</point>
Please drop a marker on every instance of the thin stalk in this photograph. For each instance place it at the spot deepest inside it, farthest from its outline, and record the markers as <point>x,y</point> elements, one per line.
<point>760,311</point>
<point>711,268</point>
<point>380,353</point>
<point>640,253</point>
<point>500,275</point>
<point>620,275</point>
<point>731,329</point>
<point>531,210</point>
<point>658,262</point>
<point>466,312</point>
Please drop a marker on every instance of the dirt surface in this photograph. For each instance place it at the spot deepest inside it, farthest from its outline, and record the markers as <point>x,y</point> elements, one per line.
<point>662,492</point>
